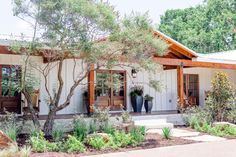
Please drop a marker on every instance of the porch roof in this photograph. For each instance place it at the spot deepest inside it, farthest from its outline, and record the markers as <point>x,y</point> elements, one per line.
<point>178,55</point>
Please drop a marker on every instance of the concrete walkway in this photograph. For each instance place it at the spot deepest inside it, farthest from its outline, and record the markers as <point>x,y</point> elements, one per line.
<point>208,149</point>
<point>189,135</point>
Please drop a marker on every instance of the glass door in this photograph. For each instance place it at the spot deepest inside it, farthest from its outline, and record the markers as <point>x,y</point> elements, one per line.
<point>191,89</point>
<point>111,89</point>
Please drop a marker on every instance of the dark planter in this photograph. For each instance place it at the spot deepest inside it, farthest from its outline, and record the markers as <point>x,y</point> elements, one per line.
<point>148,106</point>
<point>137,103</point>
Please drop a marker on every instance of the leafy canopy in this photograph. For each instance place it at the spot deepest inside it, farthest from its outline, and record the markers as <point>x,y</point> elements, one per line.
<point>91,29</point>
<point>209,27</point>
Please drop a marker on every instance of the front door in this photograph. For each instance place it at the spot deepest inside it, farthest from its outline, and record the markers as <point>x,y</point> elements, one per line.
<point>111,89</point>
<point>191,89</point>
<point>10,98</point>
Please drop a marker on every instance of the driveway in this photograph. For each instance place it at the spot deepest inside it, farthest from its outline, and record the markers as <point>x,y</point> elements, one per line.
<point>225,148</point>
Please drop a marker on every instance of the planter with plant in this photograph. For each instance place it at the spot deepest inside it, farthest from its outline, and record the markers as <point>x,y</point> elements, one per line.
<point>136,96</point>
<point>148,103</point>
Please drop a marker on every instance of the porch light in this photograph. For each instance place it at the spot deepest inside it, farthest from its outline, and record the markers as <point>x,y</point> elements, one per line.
<point>134,73</point>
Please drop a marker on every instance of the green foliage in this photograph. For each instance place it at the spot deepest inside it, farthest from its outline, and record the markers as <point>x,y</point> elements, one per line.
<point>122,139</point>
<point>101,117</point>
<point>57,135</point>
<point>221,98</point>
<point>9,126</point>
<point>166,132</point>
<point>136,90</point>
<point>12,132</point>
<point>72,145</point>
<point>92,127</point>
<point>125,116</point>
<point>80,127</point>
<point>195,116</point>
<point>96,142</point>
<point>40,144</point>
<point>138,134</point>
<point>148,97</point>
<point>109,129</point>
<point>211,25</point>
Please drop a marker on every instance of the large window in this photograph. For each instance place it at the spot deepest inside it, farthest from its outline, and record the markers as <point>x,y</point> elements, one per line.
<point>10,98</point>
<point>10,80</point>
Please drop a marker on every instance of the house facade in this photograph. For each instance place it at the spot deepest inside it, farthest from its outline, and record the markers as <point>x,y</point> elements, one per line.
<point>184,75</point>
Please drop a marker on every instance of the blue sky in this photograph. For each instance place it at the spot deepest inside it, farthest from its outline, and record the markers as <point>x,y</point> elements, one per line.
<point>13,25</point>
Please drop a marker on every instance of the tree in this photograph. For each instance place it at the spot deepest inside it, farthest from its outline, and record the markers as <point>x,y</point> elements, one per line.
<point>86,29</point>
<point>208,27</point>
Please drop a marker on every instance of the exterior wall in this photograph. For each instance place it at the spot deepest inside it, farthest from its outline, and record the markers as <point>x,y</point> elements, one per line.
<point>164,101</point>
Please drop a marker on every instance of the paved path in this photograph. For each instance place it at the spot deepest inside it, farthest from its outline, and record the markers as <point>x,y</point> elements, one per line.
<point>189,135</point>
<point>207,149</point>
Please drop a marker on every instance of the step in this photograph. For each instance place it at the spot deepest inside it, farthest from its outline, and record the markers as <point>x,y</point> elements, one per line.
<point>153,124</point>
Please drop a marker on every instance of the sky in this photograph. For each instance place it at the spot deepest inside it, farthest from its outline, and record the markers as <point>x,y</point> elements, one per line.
<point>11,25</point>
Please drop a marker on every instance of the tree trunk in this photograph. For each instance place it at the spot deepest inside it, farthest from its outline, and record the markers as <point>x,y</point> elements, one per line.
<point>32,111</point>
<point>48,125</point>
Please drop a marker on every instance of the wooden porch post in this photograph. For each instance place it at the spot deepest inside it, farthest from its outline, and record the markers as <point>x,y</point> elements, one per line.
<point>180,85</point>
<point>91,88</point>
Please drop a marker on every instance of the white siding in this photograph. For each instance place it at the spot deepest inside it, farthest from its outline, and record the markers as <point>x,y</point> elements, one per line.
<point>166,100</point>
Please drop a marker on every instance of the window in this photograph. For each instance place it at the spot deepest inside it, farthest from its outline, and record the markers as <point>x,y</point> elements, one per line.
<point>10,80</point>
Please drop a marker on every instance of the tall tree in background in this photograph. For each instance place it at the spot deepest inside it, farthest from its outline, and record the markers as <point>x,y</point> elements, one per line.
<point>209,27</point>
<point>74,29</point>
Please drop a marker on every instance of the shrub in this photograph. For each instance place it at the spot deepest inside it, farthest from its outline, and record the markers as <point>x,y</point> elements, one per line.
<point>195,116</point>
<point>57,135</point>
<point>38,142</point>
<point>101,117</point>
<point>96,142</point>
<point>122,139</point>
<point>80,127</point>
<point>126,117</point>
<point>108,129</point>
<point>9,126</point>
<point>138,134</point>
<point>166,132</point>
<point>92,127</point>
<point>221,97</point>
<point>72,144</point>
<point>12,132</point>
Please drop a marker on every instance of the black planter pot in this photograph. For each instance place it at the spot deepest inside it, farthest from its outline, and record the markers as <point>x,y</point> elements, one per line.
<point>148,106</point>
<point>137,103</point>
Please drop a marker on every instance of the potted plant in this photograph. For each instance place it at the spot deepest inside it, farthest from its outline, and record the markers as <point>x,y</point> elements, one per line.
<point>148,103</point>
<point>136,96</point>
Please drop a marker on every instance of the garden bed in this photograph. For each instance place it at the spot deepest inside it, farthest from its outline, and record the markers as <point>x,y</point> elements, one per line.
<point>151,141</point>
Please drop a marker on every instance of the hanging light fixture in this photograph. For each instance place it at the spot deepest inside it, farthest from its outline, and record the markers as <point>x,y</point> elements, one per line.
<point>134,73</point>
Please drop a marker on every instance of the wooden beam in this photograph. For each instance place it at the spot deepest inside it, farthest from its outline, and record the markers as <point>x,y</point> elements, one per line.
<point>176,46</point>
<point>180,85</point>
<point>190,63</point>
<point>91,88</point>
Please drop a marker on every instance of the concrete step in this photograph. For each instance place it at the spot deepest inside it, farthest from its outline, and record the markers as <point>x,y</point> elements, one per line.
<point>154,124</point>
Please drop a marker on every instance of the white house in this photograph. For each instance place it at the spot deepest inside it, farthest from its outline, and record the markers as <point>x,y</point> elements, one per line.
<point>185,75</point>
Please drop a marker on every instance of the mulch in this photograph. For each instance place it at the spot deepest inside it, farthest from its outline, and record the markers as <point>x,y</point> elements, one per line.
<point>151,141</point>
